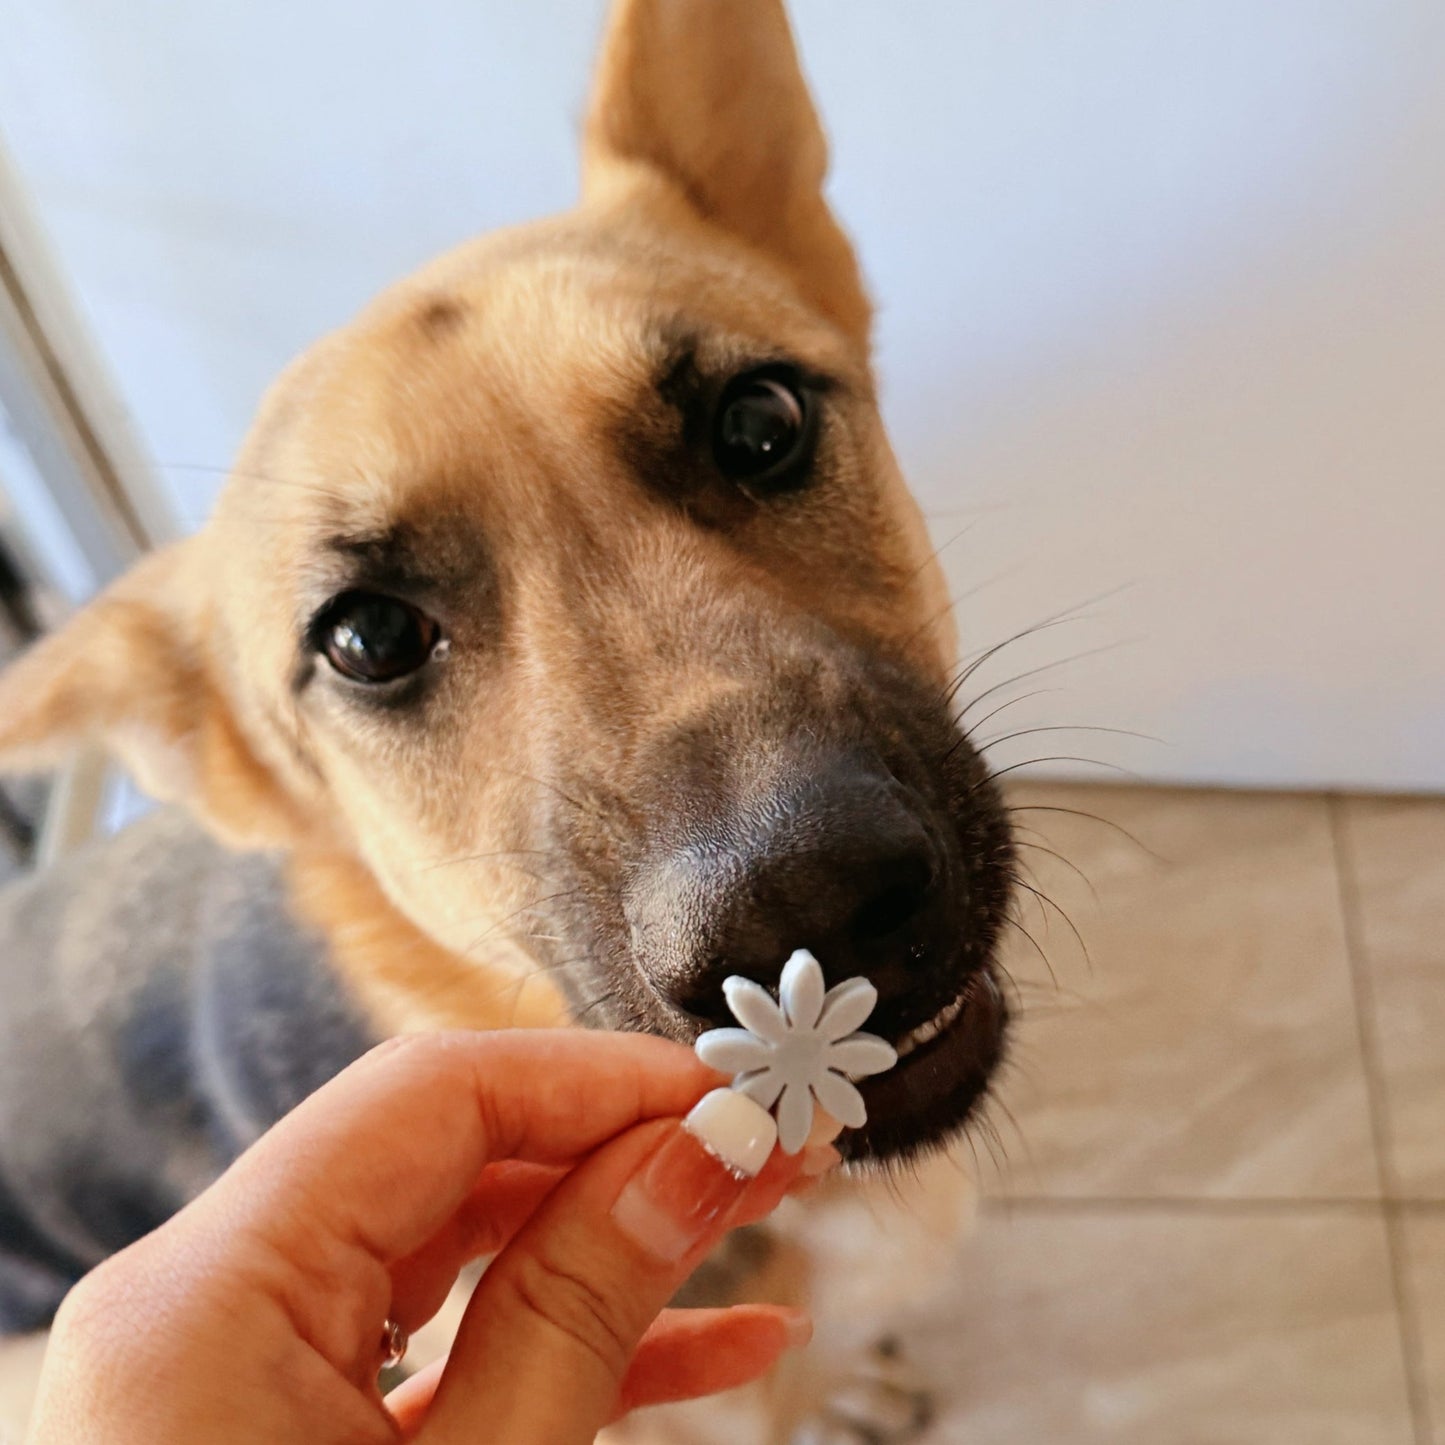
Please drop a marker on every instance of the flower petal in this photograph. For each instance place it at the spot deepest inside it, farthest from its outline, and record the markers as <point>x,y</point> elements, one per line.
<point>795,1118</point>
<point>846,1007</point>
<point>762,1086</point>
<point>753,1007</point>
<point>801,990</point>
<point>732,1051</point>
<point>841,1100</point>
<point>860,1055</point>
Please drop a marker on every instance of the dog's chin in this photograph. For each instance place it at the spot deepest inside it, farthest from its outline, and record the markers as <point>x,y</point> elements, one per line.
<point>942,1076</point>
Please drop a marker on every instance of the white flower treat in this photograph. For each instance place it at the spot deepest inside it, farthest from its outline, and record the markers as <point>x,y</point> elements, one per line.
<point>802,1047</point>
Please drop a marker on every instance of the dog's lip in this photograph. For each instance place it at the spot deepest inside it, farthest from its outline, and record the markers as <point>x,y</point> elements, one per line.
<point>946,1073</point>
<point>921,1035</point>
<point>930,1093</point>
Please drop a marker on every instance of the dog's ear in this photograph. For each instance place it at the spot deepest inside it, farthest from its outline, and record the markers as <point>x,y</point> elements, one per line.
<point>131,672</point>
<point>708,95</point>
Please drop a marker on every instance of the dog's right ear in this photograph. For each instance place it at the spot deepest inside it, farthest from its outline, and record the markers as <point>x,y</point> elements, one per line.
<point>708,96</point>
<point>132,672</point>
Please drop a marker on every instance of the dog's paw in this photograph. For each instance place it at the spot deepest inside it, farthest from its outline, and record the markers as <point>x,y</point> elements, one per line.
<point>883,1402</point>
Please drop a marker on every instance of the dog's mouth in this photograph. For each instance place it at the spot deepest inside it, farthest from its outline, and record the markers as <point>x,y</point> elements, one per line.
<point>946,1059</point>
<point>940,1023</point>
<point>943,1072</point>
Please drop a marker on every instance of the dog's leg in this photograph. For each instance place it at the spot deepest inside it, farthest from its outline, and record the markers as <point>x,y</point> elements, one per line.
<point>863,1254</point>
<point>882,1400</point>
<point>877,1249</point>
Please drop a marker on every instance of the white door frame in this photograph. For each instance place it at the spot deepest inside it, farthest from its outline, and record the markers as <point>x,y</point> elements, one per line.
<point>85,497</point>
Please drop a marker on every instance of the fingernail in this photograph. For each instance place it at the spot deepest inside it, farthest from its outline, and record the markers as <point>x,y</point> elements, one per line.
<point>696,1176</point>
<point>799,1327</point>
<point>819,1159</point>
<point>734,1130</point>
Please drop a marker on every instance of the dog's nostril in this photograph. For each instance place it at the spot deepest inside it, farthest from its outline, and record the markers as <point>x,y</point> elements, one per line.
<point>896,903</point>
<point>885,914</point>
<point>702,995</point>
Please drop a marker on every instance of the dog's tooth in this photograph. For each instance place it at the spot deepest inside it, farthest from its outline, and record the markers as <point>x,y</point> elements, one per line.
<point>927,1032</point>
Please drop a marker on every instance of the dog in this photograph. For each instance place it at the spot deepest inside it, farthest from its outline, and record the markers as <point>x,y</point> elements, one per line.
<point>564,639</point>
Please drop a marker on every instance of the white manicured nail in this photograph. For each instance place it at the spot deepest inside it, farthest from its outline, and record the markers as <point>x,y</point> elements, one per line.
<point>734,1129</point>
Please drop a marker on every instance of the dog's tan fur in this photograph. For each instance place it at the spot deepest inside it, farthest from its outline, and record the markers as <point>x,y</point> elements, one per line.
<point>485,411</point>
<point>479,404</point>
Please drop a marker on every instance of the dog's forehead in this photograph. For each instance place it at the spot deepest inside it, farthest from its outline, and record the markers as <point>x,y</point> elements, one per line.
<point>522,349</point>
<point>485,398</point>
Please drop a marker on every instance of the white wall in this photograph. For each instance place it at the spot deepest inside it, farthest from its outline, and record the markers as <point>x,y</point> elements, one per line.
<point>1162,291</point>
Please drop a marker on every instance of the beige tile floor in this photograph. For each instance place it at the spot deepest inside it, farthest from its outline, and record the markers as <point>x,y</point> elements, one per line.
<point>1222,1213</point>
<point>1220,1216</point>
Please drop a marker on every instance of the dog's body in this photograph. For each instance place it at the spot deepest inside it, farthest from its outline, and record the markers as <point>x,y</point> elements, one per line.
<point>163,1009</point>
<point>565,638</point>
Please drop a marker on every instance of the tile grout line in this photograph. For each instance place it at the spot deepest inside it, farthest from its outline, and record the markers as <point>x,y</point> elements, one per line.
<point>1221,1204</point>
<point>1406,1309</point>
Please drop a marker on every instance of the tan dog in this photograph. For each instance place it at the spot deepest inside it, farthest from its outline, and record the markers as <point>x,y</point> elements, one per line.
<point>568,625</point>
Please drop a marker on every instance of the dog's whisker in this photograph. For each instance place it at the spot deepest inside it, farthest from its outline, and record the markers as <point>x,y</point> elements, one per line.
<point>997,1101</point>
<point>518,913</point>
<point>968,735</point>
<point>1068,1009</point>
<point>1045,667</point>
<point>519,985</point>
<point>968,1138</point>
<point>596,1003</point>
<point>542,880</point>
<point>1091,817</point>
<point>928,623</point>
<point>938,551</point>
<point>950,1156</point>
<point>1044,900</point>
<point>1042,1002</point>
<point>588,809</point>
<point>1064,614</point>
<point>1023,991</point>
<point>1065,728</point>
<point>522,939</point>
<point>978,660</point>
<point>1067,616</point>
<point>1004,706</point>
<point>992,580</point>
<point>484,857</point>
<point>1054,853</point>
<point>1043,957</point>
<point>993,1140</point>
<point>1060,758</point>
<point>956,599</point>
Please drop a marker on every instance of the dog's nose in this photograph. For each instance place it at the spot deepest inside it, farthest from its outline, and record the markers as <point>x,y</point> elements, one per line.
<point>841,864</point>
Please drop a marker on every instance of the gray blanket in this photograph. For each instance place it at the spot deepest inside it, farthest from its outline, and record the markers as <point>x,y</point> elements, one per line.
<point>158,1010</point>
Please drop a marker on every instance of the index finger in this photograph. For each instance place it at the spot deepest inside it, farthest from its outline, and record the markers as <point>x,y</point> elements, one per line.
<point>384,1153</point>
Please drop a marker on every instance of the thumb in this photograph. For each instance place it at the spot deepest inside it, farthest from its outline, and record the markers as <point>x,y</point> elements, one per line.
<point>545,1343</point>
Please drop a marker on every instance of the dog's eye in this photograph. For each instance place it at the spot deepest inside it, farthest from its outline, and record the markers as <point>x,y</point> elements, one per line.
<point>763,431</point>
<point>370,638</point>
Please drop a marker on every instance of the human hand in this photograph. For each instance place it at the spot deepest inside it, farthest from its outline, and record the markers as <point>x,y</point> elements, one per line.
<point>257,1312</point>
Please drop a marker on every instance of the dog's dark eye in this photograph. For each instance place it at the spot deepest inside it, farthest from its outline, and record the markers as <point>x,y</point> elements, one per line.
<point>370,638</point>
<point>763,432</point>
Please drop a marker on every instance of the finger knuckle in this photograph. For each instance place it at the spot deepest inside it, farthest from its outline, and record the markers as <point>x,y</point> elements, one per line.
<point>568,1302</point>
<point>101,1309</point>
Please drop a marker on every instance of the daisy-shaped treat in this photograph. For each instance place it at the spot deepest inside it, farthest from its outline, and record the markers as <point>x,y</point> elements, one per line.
<point>803,1047</point>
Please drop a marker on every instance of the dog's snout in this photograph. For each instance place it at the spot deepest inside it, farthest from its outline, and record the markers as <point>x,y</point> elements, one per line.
<point>842,864</point>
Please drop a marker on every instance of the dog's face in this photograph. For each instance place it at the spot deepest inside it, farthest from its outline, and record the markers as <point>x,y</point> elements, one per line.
<point>575,590</point>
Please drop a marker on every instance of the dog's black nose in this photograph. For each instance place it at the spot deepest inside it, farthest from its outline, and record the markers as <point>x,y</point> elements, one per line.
<point>841,862</point>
